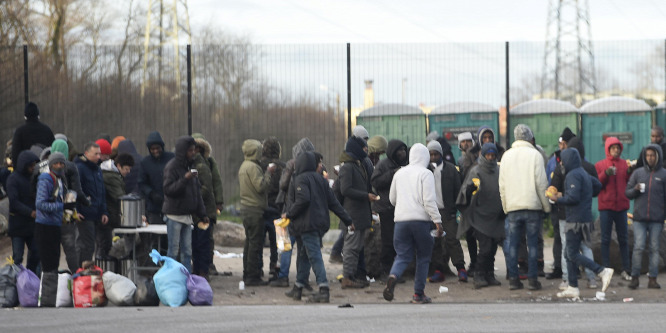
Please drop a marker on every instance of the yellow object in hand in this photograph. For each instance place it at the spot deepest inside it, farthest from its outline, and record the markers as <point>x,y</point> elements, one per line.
<point>477,183</point>
<point>281,222</point>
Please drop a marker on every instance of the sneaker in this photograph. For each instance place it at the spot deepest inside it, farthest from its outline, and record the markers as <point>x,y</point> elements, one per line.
<point>592,284</point>
<point>634,282</point>
<point>462,275</point>
<point>606,275</point>
<point>437,277</point>
<point>335,259</point>
<point>533,284</point>
<point>515,284</point>
<point>564,285</point>
<point>570,292</point>
<point>390,286</point>
<point>352,284</point>
<point>421,299</point>
<point>282,282</point>
<point>625,276</point>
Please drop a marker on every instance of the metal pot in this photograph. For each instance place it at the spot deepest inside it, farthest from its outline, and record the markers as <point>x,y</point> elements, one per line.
<point>131,210</point>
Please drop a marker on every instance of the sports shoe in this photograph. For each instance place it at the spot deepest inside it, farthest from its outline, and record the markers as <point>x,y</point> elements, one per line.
<point>625,276</point>
<point>390,286</point>
<point>462,275</point>
<point>570,292</point>
<point>437,277</point>
<point>515,284</point>
<point>606,275</point>
<point>592,284</point>
<point>335,259</point>
<point>564,285</point>
<point>421,299</point>
<point>533,284</point>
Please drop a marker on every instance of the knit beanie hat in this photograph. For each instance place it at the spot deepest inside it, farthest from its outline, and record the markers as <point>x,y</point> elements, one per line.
<point>523,132</point>
<point>488,148</point>
<point>104,146</point>
<point>31,111</point>
<point>464,137</point>
<point>354,147</point>
<point>434,145</point>
<point>567,135</point>
<point>432,136</point>
<point>116,141</point>
<point>360,132</point>
<point>56,158</point>
<point>377,144</point>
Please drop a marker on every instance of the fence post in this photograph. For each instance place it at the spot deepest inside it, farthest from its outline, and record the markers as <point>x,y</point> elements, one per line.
<point>189,89</point>
<point>349,103</point>
<point>25,73</point>
<point>508,122</point>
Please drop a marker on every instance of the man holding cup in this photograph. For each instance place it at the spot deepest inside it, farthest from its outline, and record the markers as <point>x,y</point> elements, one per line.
<point>647,186</point>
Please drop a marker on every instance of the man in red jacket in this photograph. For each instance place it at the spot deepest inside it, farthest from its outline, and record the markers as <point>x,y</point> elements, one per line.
<point>613,203</point>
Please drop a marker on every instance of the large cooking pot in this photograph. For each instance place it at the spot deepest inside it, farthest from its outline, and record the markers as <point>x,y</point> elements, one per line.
<point>131,210</point>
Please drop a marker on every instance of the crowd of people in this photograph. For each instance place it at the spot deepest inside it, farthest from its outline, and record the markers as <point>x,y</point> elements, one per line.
<point>415,204</point>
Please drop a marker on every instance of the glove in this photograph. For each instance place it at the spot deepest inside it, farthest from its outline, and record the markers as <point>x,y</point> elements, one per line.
<point>70,206</point>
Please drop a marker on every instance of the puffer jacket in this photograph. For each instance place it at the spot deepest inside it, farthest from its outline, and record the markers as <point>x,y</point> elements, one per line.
<point>383,175</point>
<point>92,184</point>
<point>21,198</point>
<point>612,196</point>
<point>579,188</point>
<point>49,201</point>
<point>182,196</point>
<point>253,181</point>
<point>72,178</point>
<point>311,198</point>
<point>649,206</point>
<point>151,177</point>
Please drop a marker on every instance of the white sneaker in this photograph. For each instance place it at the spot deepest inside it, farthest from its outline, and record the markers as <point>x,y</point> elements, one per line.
<point>570,292</point>
<point>564,285</point>
<point>625,276</point>
<point>606,275</point>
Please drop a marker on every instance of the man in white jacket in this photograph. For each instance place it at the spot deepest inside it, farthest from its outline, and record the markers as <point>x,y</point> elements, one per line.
<point>414,197</point>
<point>522,185</point>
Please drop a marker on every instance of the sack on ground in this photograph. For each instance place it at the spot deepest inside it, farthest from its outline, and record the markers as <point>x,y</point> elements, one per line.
<point>118,289</point>
<point>170,281</point>
<point>27,286</point>
<point>48,289</point>
<point>198,289</point>
<point>8,292</point>
<point>88,287</point>
<point>145,294</point>
<point>64,294</point>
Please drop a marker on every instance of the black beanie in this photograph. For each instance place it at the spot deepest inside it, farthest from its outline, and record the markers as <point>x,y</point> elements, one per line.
<point>567,135</point>
<point>31,110</point>
<point>354,148</point>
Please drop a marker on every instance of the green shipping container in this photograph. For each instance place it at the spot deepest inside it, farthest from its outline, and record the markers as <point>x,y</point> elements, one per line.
<point>395,121</point>
<point>547,118</point>
<point>452,119</point>
<point>661,114</point>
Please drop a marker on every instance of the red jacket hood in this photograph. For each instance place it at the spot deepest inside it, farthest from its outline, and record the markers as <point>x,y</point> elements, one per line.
<point>611,140</point>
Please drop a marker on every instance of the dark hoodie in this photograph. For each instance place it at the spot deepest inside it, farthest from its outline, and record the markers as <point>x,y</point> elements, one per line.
<point>21,197</point>
<point>558,176</point>
<point>355,184</point>
<point>383,175</point>
<point>151,176</point>
<point>30,133</point>
<point>477,147</point>
<point>271,154</point>
<point>579,188</point>
<point>182,196</point>
<point>649,206</point>
<point>301,146</point>
<point>132,179</point>
<point>312,197</point>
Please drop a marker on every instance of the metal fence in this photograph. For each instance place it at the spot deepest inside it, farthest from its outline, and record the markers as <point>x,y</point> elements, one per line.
<point>289,91</point>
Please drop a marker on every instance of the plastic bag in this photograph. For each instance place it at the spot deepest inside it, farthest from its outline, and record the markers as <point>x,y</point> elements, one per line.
<point>48,289</point>
<point>119,289</point>
<point>282,234</point>
<point>27,286</point>
<point>199,291</point>
<point>64,294</point>
<point>88,287</point>
<point>170,281</point>
<point>8,292</point>
<point>145,294</point>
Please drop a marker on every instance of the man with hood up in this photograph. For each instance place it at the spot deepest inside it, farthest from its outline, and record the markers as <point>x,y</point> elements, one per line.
<point>396,157</point>
<point>579,188</point>
<point>271,154</point>
<point>22,211</point>
<point>613,174</point>
<point>182,201</point>
<point>647,186</point>
<point>30,133</point>
<point>132,179</point>
<point>254,183</point>
<point>486,134</point>
<point>152,175</point>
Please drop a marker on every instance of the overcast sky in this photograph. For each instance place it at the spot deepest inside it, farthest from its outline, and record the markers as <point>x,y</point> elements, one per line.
<point>427,21</point>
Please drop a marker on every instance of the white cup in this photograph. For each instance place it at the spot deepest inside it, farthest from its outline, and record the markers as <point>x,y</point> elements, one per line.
<point>642,187</point>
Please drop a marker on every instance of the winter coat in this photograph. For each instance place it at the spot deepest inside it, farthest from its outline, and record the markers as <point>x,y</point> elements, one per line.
<point>612,196</point>
<point>115,188</point>
<point>451,184</point>
<point>49,201</point>
<point>467,160</point>
<point>92,184</point>
<point>477,147</point>
<point>522,179</point>
<point>382,176</point>
<point>72,178</point>
<point>311,198</point>
<point>182,196</point>
<point>253,181</point>
<point>21,198</point>
<point>649,206</point>
<point>301,146</point>
<point>271,154</point>
<point>132,178</point>
<point>205,176</point>
<point>579,188</point>
<point>354,187</point>
<point>482,210</point>
<point>558,176</point>
<point>151,177</point>
<point>30,133</point>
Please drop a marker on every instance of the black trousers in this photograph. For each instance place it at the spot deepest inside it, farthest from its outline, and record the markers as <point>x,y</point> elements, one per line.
<point>388,251</point>
<point>487,249</point>
<point>48,245</point>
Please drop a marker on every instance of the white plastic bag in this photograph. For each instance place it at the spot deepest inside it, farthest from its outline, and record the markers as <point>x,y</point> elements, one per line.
<point>64,294</point>
<point>119,289</point>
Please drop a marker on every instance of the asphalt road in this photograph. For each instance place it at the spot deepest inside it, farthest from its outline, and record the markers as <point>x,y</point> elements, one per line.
<point>523,317</point>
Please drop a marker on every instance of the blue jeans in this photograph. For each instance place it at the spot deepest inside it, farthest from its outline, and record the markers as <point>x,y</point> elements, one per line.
<point>18,248</point>
<point>309,256</point>
<point>586,250</point>
<point>607,217</point>
<point>641,231</point>
<point>180,238</point>
<point>520,222</point>
<point>575,259</point>
<point>407,237</point>
<point>285,259</point>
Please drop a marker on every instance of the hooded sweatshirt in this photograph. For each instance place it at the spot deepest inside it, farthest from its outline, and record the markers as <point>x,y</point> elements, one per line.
<point>477,146</point>
<point>152,174</point>
<point>612,196</point>
<point>21,198</point>
<point>649,206</point>
<point>272,150</point>
<point>413,189</point>
<point>30,133</point>
<point>182,196</point>
<point>558,175</point>
<point>579,188</point>
<point>132,178</point>
<point>301,146</point>
<point>253,181</point>
<point>383,175</point>
<point>354,182</point>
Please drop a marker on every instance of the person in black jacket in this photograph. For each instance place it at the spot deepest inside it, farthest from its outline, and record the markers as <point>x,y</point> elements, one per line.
<point>271,152</point>
<point>312,198</point>
<point>152,176</point>
<point>396,157</point>
<point>32,132</point>
<point>22,211</point>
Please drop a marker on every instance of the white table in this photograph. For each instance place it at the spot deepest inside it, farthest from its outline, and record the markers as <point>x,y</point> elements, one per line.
<point>157,229</point>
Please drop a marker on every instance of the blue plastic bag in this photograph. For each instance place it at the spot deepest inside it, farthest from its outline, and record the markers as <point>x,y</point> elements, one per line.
<point>27,285</point>
<point>170,281</point>
<point>199,291</point>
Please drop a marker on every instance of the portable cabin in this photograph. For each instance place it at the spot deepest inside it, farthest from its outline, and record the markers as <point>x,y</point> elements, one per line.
<point>395,121</point>
<point>547,118</point>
